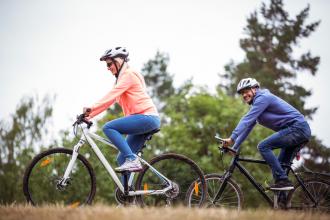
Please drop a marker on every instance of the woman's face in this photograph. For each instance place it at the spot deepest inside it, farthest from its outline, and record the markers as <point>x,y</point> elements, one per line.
<point>112,63</point>
<point>111,66</point>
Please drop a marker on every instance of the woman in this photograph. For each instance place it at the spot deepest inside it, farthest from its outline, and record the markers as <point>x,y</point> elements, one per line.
<point>141,115</point>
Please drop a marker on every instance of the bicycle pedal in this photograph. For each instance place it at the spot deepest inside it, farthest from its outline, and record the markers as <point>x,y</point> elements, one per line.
<point>281,189</point>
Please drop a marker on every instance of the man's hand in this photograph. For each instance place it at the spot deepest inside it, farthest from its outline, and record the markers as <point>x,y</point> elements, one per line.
<point>228,142</point>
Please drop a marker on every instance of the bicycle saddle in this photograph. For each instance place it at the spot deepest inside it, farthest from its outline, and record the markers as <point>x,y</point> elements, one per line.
<point>149,134</point>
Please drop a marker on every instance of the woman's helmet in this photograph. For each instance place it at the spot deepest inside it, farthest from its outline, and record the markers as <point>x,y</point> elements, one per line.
<point>114,53</point>
<point>247,83</point>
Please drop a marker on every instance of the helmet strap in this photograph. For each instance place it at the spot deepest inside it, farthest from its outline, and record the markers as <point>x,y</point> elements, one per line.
<point>118,70</point>
<point>254,94</point>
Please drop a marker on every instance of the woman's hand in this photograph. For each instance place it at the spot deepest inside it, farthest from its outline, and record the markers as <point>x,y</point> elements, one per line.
<point>87,111</point>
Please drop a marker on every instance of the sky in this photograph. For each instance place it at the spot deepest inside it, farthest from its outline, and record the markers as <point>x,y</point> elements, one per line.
<point>53,47</point>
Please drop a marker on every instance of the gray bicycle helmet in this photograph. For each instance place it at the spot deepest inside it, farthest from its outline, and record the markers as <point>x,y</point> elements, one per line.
<point>247,83</point>
<point>114,53</point>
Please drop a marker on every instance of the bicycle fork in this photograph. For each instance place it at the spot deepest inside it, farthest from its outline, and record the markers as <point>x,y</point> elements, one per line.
<point>66,177</point>
<point>227,175</point>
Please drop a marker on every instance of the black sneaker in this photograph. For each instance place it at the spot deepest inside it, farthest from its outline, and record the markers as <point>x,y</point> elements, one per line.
<point>282,184</point>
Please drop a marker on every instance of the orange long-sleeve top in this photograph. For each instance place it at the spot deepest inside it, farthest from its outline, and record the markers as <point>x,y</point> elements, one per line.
<point>130,93</point>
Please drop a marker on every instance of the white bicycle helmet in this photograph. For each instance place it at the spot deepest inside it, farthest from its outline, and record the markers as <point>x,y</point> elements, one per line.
<point>247,83</point>
<point>114,53</point>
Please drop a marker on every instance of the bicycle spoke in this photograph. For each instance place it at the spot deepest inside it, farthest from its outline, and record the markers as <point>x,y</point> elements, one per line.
<point>319,190</point>
<point>185,177</point>
<point>230,198</point>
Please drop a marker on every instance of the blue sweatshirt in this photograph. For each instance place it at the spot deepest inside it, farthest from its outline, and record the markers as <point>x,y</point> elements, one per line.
<point>268,110</point>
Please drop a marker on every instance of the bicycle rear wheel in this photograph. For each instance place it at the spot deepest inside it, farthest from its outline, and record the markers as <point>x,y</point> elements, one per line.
<point>320,189</point>
<point>182,171</point>
<point>42,177</point>
<point>231,198</point>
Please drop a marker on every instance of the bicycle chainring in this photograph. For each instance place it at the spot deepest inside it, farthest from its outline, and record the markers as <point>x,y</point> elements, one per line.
<point>174,191</point>
<point>122,199</point>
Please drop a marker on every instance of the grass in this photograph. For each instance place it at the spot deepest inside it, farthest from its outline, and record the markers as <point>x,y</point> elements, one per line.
<point>101,212</point>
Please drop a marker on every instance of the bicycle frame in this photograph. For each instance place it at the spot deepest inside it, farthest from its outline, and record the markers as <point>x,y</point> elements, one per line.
<point>89,136</point>
<point>236,163</point>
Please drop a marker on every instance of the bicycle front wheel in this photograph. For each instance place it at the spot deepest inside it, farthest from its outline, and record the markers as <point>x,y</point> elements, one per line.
<point>231,197</point>
<point>319,189</point>
<point>41,182</point>
<point>181,171</point>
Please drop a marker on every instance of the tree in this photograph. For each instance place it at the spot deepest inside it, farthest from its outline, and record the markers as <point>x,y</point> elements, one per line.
<point>158,80</point>
<point>269,46</point>
<point>271,37</point>
<point>19,141</point>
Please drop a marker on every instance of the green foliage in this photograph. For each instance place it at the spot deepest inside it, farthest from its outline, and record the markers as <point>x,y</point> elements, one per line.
<point>158,80</point>
<point>19,140</point>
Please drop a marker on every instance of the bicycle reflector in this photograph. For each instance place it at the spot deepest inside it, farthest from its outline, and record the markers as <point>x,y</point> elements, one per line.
<point>298,156</point>
<point>45,162</point>
<point>196,188</point>
<point>145,187</point>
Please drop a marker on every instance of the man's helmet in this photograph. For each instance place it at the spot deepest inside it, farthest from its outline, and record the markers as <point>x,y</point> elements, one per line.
<point>114,53</point>
<point>247,83</point>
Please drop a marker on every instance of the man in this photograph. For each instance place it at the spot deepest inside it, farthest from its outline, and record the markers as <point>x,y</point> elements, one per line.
<point>291,129</point>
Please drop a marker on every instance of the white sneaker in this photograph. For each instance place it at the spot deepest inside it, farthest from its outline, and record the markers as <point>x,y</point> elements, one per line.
<point>130,165</point>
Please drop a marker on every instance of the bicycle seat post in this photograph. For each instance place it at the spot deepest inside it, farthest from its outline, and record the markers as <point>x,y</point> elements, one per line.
<point>126,175</point>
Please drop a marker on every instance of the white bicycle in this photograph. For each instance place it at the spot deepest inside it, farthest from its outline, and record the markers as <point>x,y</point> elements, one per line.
<point>65,177</point>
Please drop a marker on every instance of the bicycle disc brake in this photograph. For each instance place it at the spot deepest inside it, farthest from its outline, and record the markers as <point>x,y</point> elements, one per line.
<point>61,184</point>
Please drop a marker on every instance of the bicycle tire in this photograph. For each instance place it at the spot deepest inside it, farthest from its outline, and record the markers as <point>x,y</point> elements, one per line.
<point>320,190</point>
<point>179,169</point>
<point>231,198</point>
<point>42,175</point>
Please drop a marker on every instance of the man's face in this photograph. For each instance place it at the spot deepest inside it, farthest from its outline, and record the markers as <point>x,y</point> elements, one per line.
<point>248,95</point>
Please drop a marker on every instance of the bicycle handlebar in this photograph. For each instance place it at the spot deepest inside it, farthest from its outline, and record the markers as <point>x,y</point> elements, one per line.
<point>222,148</point>
<point>82,119</point>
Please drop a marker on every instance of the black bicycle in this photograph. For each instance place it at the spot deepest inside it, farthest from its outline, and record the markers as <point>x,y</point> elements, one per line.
<point>312,193</point>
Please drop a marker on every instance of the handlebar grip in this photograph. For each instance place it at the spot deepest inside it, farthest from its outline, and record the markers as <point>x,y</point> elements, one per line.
<point>81,119</point>
<point>89,123</point>
<point>227,149</point>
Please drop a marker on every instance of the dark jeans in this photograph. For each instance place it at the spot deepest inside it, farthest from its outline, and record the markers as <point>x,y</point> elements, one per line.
<point>289,140</point>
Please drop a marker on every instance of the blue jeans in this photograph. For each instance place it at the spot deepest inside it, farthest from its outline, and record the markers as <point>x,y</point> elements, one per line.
<point>135,127</point>
<point>289,140</point>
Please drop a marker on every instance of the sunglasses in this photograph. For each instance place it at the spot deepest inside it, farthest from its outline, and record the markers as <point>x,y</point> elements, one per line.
<point>109,64</point>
